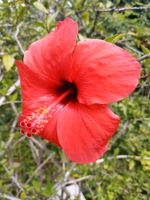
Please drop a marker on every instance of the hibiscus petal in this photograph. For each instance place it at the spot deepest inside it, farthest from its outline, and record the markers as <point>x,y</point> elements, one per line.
<point>50,132</point>
<point>84,131</point>
<point>103,72</point>
<point>35,88</point>
<point>52,55</point>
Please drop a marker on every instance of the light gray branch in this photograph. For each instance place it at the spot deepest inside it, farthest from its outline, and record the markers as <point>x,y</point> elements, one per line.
<point>118,157</point>
<point>10,91</point>
<point>144,57</point>
<point>58,187</point>
<point>39,168</point>
<point>6,196</point>
<point>120,133</point>
<point>10,102</point>
<point>16,37</point>
<point>14,179</point>
<point>17,83</point>
<point>123,9</point>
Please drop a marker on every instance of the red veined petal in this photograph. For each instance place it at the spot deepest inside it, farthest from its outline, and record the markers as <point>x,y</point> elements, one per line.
<point>84,131</point>
<point>50,132</point>
<point>35,88</point>
<point>52,55</point>
<point>103,72</point>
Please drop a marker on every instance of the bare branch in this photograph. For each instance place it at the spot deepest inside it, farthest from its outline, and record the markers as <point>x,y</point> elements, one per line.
<point>14,179</point>
<point>124,9</point>
<point>10,91</point>
<point>144,57</point>
<point>35,152</point>
<point>67,174</point>
<point>58,187</point>
<point>40,144</point>
<point>18,141</point>
<point>10,102</point>
<point>17,83</point>
<point>14,124</point>
<point>79,179</point>
<point>6,196</point>
<point>120,133</point>
<point>14,108</point>
<point>2,153</point>
<point>39,167</point>
<point>16,37</point>
<point>118,157</point>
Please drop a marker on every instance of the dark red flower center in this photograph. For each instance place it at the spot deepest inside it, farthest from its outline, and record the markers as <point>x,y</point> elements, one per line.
<point>36,122</point>
<point>66,85</point>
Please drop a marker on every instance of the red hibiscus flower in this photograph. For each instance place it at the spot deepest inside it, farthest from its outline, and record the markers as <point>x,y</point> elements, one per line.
<point>66,89</point>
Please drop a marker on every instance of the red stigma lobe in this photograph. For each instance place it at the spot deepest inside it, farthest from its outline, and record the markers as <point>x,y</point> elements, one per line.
<point>35,122</point>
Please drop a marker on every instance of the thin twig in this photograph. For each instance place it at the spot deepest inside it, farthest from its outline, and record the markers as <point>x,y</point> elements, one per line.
<point>118,157</point>
<point>6,146</point>
<point>10,91</point>
<point>14,124</point>
<point>6,25</point>
<point>14,108</point>
<point>133,49</point>
<point>17,83</point>
<point>39,167</point>
<point>123,9</point>
<point>74,181</point>
<point>94,23</point>
<point>6,196</point>
<point>21,139</point>
<point>35,152</point>
<point>14,179</point>
<point>16,37</point>
<point>79,180</point>
<point>68,172</point>
<point>144,57</point>
<point>40,144</point>
<point>120,133</point>
<point>10,102</point>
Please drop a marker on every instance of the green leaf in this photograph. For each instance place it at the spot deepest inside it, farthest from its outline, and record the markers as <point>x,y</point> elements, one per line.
<point>109,4</point>
<point>8,62</point>
<point>81,37</point>
<point>118,2</point>
<point>131,164</point>
<point>36,185</point>
<point>115,38</point>
<point>86,17</point>
<point>48,191</point>
<point>145,50</point>
<point>40,6</point>
<point>51,19</point>
<point>77,3</point>
<point>13,97</point>
<point>22,196</point>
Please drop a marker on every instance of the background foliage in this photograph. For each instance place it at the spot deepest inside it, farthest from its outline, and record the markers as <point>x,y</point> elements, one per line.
<point>34,169</point>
